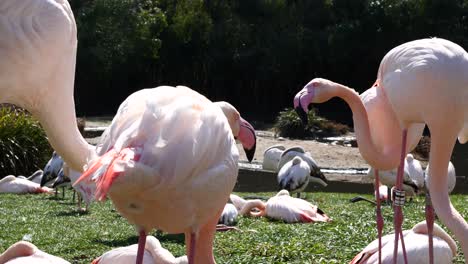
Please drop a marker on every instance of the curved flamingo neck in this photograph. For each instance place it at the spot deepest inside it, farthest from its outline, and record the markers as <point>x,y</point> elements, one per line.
<point>59,122</point>
<point>377,159</point>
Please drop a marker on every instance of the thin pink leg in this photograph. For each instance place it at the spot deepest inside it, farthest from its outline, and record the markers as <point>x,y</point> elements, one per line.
<point>399,199</point>
<point>191,256</point>
<point>141,246</point>
<point>405,257</point>
<point>378,211</point>
<point>430,226</point>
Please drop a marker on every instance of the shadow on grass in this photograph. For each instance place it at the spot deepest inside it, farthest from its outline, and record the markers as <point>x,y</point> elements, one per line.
<point>72,212</point>
<point>117,242</point>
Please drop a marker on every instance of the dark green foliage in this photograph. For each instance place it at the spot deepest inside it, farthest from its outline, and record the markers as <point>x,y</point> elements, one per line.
<point>55,227</point>
<point>23,144</point>
<point>256,54</point>
<point>288,124</point>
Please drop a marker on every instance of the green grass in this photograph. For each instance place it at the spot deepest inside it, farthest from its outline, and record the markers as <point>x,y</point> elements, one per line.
<point>55,227</point>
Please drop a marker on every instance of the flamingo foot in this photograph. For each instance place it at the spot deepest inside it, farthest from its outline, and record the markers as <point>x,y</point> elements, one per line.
<point>430,226</point>
<point>141,246</point>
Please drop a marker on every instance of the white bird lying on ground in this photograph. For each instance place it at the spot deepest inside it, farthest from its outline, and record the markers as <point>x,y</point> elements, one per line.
<point>281,207</point>
<point>296,169</point>
<point>229,215</point>
<point>23,252</point>
<point>416,242</point>
<point>35,177</point>
<point>154,253</point>
<point>271,157</point>
<point>11,184</point>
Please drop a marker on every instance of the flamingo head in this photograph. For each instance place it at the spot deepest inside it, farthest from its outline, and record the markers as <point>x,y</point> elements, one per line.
<point>241,129</point>
<point>316,91</point>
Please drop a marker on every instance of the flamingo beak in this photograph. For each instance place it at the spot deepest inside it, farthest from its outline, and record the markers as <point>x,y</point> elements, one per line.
<point>301,104</point>
<point>247,138</point>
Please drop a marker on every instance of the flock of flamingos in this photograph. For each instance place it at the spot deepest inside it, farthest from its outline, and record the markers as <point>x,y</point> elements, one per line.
<point>173,144</point>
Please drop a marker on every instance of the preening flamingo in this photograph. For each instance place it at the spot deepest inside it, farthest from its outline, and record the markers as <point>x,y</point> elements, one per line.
<point>271,157</point>
<point>12,184</point>
<point>169,161</point>
<point>37,70</point>
<point>154,254</point>
<point>282,207</point>
<point>229,215</point>
<point>445,248</point>
<point>420,82</point>
<point>26,253</point>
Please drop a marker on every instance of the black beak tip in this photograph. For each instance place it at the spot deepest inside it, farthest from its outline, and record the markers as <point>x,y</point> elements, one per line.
<point>250,152</point>
<point>302,115</point>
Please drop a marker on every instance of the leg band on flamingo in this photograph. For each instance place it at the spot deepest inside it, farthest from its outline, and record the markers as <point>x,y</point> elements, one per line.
<point>430,226</point>
<point>399,201</point>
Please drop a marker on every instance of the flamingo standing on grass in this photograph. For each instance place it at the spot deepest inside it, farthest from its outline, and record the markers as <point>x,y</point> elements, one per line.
<point>420,82</point>
<point>169,161</point>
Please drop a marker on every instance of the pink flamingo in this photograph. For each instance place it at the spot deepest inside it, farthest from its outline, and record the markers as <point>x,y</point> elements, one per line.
<point>420,82</point>
<point>154,254</point>
<point>445,249</point>
<point>12,184</point>
<point>25,253</point>
<point>169,161</point>
<point>281,207</point>
<point>37,70</point>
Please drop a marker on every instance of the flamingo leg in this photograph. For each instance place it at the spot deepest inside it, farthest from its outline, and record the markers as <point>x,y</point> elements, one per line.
<point>399,200</point>
<point>378,211</point>
<point>430,226</point>
<point>442,142</point>
<point>141,246</point>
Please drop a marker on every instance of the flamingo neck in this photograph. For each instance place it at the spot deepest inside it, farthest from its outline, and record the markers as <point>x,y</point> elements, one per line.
<point>384,160</point>
<point>59,122</point>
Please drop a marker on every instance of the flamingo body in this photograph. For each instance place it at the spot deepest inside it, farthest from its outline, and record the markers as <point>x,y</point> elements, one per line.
<point>25,253</point>
<point>154,254</point>
<point>271,157</point>
<point>11,184</point>
<point>416,247</point>
<point>169,161</point>
<point>285,208</point>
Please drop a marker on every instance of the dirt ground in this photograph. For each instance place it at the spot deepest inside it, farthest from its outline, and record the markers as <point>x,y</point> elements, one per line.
<point>326,154</point>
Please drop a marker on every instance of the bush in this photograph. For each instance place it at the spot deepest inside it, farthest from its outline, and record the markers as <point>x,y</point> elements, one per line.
<point>288,124</point>
<point>23,143</point>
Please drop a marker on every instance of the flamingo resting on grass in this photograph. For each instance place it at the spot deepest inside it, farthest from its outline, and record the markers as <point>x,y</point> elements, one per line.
<point>169,161</point>
<point>12,184</point>
<point>26,253</point>
<point>419,82</point>
<point>281,207</point>
<point>154,254</point>
<point>445,248</point>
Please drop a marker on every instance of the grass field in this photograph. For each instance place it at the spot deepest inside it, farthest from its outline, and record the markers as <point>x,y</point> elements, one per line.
<point>56,227</point>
